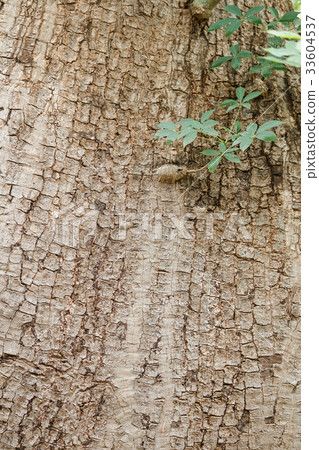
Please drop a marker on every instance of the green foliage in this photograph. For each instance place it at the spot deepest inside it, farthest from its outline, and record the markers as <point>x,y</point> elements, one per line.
<point>246,138</point>
<point>234,23</point>
<point>289,54</point>
<point>237,56</point>
<point>297,4</point>
<point>224,140</point>
<point>281,51</point>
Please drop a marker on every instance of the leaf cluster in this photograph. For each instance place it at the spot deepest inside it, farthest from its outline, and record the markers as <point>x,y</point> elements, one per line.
<point>225,141</point>
<point>281,51</point>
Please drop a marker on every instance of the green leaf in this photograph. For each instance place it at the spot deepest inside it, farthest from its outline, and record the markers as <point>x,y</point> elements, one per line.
<point>189,138</point>
<point>232,27</point>
<point>212,165</point>
<point>233,9</point>
<point>229,102</point>
<point>167,125</point>
<point>252,95</point>
<point>278,67</point>
<point>231,108</point>
<point>278,52</point>
<point>186,130</point>
<point>238,126</point>
<point>210,131</point>
<point>161,133</point>
<point>235,63</point>
<point>272,25</point>
<point>191,122</point>
<point>220,61</point>
<point>210,123</point>
<point>173,136</point>
<point>254,19</point>
<point>289,54</point>
<point>274,12</point>
<point>275,40</point>
<point>265,71</point>
<point>245,54</point>
<point>244,142</point>
<point>267,136</point>
<point>268,125</point>
<point>285,34</point>
<point>197,125</point>
<point>207,115</point>
<point>234,49</point>
<point>240,92</point>
<point>251,129</point>
<point>289,17</point>
<point>254,10</point>
<point>246,105</point>
<point>273,59</point>
<point>219,24</point>
<point>222,147</point>
<point>293,61</point>
<point>255,69</point>
<point>185,121</point>
<point>232,157</point>
<point>211,152</point>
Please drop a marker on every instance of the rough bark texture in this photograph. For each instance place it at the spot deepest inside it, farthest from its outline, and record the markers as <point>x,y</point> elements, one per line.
<point>138,315</point>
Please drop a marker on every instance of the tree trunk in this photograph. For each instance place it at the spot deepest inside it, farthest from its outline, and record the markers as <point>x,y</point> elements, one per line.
<point>137,314</point>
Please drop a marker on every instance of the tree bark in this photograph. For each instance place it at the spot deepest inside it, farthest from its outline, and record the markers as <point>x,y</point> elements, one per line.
<point>202,9</point>
<point>136,314</point>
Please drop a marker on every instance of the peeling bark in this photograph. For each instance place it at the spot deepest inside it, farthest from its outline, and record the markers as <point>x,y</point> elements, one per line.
<point>135,314</point>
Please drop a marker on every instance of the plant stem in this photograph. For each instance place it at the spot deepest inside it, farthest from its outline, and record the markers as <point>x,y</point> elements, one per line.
<point>206,139</point>
<point>255,25</point>
<point>198,170</point>
<point>236,117</point>
<point>201,169</point>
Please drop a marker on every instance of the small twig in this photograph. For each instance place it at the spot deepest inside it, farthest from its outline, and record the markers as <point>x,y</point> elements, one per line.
<point>197,170</point>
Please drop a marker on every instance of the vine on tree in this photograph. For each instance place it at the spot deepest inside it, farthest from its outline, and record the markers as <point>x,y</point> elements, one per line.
<point>226,141</point>
<point>283,50</point>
